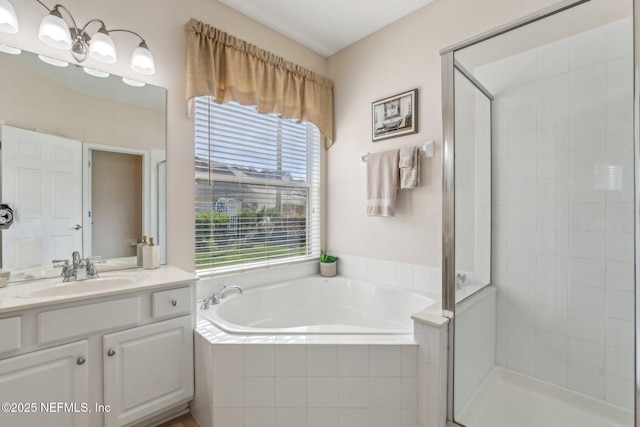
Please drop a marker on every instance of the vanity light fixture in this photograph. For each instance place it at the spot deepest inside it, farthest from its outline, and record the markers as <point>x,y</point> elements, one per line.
<point>54,31</point>
<point>8,17</point>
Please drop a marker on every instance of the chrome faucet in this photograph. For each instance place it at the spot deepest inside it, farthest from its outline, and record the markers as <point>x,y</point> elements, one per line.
<point>461,279</point>
<point>225,289</point>
<point>215,297</point>
<point>90,268</point>
<point>70,268</point>
<point>75,259</point>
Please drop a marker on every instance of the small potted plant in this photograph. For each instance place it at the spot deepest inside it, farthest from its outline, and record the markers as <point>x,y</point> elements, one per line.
<point>328,264</point>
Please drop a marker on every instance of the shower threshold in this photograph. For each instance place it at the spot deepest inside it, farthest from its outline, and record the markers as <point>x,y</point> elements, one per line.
<point>507,398</point>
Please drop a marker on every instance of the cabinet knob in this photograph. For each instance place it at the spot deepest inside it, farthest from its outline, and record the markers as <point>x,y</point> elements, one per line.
<point>111,352</point>
<point>174,302</point>
<point>81,360</point>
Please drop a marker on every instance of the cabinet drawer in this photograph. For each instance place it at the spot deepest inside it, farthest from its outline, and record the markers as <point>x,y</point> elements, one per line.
<point>10,334</point>
<point>173,302</point>
<point>86,319</point>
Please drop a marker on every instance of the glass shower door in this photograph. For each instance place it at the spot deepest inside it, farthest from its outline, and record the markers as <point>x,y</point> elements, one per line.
<point>551,341</point>
<point>475,328</point>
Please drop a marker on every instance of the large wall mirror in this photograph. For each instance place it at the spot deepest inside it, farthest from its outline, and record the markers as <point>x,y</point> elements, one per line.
<point>83,161</point>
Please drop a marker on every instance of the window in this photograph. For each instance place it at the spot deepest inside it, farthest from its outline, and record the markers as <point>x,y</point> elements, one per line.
<point>257,188</point>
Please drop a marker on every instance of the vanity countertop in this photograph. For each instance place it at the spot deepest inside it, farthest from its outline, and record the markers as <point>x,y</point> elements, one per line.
<point>38,293</point>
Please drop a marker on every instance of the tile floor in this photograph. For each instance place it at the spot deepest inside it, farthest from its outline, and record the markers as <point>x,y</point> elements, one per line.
<point>185,420</point>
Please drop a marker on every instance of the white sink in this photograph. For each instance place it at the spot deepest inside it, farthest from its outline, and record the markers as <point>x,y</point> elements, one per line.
<point>81,287</point>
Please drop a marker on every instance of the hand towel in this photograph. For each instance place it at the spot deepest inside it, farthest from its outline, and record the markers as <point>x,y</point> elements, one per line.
<point>409,165</point>
<point>382,183</point>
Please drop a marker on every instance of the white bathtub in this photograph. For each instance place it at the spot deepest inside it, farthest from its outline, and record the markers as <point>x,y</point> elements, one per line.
<point>318,305</point>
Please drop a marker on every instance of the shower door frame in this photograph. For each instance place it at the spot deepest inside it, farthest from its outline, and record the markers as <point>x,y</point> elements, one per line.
<point>448,67</point>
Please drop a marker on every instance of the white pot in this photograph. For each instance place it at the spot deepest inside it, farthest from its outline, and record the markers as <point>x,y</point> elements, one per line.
<point>328,269</point>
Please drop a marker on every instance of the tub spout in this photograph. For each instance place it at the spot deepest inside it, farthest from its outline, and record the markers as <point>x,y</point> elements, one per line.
<point>217,296</point>
<point>225,289</point>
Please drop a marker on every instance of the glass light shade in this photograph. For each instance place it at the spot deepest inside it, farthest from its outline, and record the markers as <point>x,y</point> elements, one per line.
<point>142,61</point>
<point>95,73</point>
<point>102,48</point>
<point>8,18</point>
<point>54,31</point>
<point>10,49</point>
<point>131,82</point>
<point>53,61</point>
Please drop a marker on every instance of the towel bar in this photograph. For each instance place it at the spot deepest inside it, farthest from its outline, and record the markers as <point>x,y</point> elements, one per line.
<point>427,147</point>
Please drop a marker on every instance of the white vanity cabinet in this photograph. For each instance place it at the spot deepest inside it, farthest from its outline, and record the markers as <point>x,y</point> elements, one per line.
<point>147,369</point>
<point>121,359</point>
<point>34,385</point>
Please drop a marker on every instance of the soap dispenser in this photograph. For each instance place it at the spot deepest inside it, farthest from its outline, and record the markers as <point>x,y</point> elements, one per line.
<point>151,255</point>
<point>141,244</point>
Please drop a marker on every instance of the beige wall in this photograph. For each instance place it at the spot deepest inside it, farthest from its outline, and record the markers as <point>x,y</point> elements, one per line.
<point>35,102</point>
<point>362,73</point>
<point>161,23</point>
<point>116,203</point>
<point>401,56</point>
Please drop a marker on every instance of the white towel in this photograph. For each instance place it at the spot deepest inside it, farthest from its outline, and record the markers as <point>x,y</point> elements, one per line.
<point>382,183</point>
<point>409,165</point>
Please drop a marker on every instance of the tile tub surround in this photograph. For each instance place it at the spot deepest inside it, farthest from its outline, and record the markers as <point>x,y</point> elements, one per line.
<point>322,381</point>
<point>341,381</point>
<point>421,400</point>
<point>432,340</point>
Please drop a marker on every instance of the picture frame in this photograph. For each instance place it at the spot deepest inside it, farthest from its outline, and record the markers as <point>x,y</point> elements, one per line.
<point>395,116</point>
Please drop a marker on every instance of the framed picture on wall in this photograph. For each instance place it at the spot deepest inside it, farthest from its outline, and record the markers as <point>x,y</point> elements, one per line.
<point>395,116</point>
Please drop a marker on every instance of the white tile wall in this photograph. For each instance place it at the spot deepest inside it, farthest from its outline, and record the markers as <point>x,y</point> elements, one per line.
<point>563,211</point>
<point>418,278</point>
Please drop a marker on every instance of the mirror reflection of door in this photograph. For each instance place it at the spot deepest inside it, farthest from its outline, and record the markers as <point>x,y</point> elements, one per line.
<point>42,179</point>
<point>116,203</point>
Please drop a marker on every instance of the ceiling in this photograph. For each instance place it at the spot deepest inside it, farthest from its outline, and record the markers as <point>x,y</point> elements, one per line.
<point>325,26</point>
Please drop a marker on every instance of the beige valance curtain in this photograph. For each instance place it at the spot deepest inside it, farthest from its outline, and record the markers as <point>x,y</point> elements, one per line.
<point>228,69</point>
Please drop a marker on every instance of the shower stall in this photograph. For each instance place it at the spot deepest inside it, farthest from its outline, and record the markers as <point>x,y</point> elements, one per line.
<point>540,149</point>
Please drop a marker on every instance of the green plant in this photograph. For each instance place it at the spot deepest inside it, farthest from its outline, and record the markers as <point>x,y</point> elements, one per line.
<point>327,258</point>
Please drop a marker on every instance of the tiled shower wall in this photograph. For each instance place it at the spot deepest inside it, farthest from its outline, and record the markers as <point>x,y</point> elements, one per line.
<point>563,211</point>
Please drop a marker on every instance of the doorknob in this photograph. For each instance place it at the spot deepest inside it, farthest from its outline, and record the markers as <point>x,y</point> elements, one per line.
<point>76,227</point>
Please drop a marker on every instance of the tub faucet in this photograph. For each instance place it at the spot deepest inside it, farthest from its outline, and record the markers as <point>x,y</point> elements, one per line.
<point>204,303</point>
<point>225,289</point>
<point>215,297</point>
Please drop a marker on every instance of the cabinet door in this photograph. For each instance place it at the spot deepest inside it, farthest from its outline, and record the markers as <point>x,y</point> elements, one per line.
<point>147,369</point>
<point>46,388</point>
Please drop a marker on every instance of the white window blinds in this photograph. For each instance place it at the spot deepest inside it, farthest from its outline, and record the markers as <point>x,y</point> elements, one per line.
<point>257,188</point>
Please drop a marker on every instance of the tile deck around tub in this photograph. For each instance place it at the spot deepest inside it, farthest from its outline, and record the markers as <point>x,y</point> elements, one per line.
<point>215,335</point>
